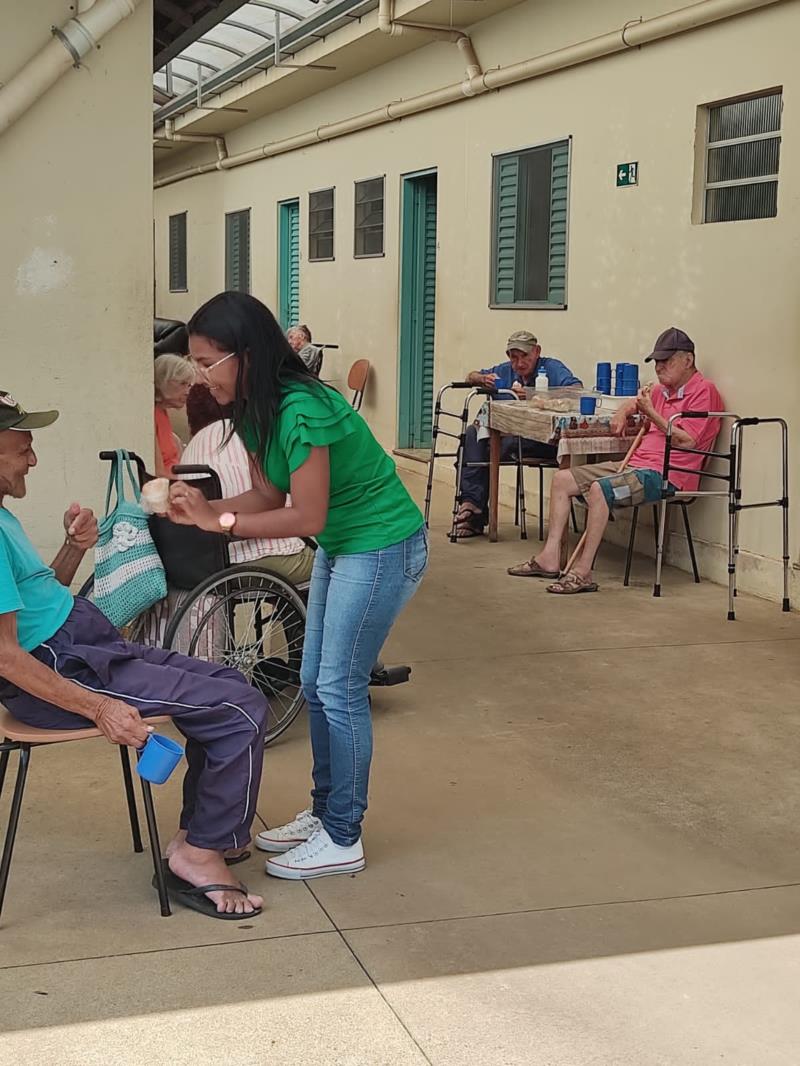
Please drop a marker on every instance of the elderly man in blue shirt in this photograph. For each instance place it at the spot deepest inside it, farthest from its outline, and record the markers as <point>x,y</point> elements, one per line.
<point>524,360</point>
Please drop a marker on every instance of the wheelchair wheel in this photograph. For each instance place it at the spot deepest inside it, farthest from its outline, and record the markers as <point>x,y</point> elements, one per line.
<point>253,621</point>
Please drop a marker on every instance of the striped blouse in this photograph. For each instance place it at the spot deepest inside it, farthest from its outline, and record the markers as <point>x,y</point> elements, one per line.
<point>231,462</point>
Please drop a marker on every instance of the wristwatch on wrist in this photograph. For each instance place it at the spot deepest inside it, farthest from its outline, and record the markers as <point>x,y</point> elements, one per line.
<point>227,520</point>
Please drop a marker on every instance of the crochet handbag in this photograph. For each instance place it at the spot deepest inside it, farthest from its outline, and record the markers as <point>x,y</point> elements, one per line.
<point>128,573</point>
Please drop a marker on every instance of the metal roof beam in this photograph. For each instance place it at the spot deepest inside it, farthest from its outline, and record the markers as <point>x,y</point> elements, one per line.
<point>218,44</point>
<point>249,29</point>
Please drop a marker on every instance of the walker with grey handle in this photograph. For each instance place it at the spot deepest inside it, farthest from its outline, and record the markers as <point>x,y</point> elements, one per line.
<point>733,492</point>
<point>463,419</point>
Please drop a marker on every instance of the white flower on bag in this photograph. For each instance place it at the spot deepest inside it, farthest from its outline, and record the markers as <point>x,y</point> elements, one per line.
<point>124,536</point>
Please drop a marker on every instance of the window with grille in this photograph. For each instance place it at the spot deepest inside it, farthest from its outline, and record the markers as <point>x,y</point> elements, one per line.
<point>369,218</point>
<point>320,225</point>
<point>237,250</point>
<point>177,253</point>
<point>742,155</point>
<point>529,227</point>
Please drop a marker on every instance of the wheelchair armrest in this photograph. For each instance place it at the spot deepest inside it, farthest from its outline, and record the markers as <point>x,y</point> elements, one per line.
<point>204,471</point>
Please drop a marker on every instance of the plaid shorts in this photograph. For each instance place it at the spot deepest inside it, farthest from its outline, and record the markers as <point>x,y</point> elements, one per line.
<point>630,488</point>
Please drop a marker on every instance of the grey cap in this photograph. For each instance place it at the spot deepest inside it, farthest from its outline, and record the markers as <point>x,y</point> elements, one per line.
<point>670,341</point>
<point>522,340</point>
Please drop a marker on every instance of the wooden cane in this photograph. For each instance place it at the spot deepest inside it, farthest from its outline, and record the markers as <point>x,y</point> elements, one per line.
<point>579,546</point>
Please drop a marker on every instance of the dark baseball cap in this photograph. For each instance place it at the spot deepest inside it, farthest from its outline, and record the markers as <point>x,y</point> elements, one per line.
<point>670,341</point>
<point>14,416</point>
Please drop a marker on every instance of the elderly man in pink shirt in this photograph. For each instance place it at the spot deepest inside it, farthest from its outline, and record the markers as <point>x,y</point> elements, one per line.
<point>680,387</point>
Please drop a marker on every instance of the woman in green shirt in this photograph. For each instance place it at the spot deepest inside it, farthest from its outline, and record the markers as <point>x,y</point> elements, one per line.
<point>306,440</point>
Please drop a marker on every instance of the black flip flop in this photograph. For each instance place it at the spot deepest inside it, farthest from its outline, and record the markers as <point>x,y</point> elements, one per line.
<point>188,895</point>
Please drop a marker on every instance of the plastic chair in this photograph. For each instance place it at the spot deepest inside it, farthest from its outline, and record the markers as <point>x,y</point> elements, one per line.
<point>357,381</point>
<point>23,738</point>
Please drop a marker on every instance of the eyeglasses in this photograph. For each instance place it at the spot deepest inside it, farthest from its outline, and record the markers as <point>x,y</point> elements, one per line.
<point>204,371</point>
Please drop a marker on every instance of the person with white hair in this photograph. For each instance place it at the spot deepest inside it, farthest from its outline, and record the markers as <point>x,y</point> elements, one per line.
<point>300,341</point>
<point>173,377</point>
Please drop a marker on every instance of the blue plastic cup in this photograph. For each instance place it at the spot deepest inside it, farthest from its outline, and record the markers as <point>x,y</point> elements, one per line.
<point>603,370</point>
<point>158,758</point>
<point>588,405</point>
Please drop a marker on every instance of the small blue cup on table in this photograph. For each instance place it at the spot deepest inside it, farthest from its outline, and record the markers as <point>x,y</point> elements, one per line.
<point>158,758</point>
<point>588,405</point>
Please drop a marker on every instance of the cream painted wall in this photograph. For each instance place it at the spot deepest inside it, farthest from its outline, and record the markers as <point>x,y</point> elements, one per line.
<point>637,263</point>
<point>76,258</point>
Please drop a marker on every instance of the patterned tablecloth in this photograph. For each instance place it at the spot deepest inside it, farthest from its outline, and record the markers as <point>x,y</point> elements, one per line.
<point>575,434</point>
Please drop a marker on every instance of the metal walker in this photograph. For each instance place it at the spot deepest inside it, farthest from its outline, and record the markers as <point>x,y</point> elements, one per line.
<point>733,492</point>
<point>463,419</point>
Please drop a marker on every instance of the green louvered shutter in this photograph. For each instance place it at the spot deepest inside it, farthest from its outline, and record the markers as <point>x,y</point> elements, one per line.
<point>237,251</point>
<point>289,262</point>
<point>177,253</point>
<point>294,265</point>
<point>428,310</point>
<point>506,222</point>
<point>559,189</point>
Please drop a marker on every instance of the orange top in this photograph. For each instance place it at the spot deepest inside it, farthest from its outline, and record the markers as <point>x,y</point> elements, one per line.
<point>166,440</point>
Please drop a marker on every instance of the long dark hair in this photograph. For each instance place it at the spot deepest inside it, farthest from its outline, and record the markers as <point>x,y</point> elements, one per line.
<point>267,364</point>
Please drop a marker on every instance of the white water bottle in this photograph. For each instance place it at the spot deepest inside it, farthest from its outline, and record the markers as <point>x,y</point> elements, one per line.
<point>541,384</point>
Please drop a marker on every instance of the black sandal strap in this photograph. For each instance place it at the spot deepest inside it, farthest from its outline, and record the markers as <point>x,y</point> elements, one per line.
<point>202,890</point>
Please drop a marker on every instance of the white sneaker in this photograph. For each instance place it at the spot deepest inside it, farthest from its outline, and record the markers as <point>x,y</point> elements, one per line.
<point>318,857</point>
<point>286,837</point>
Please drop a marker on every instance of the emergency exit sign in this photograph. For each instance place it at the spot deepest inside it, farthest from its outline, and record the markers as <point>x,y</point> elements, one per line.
<point>627,174</point>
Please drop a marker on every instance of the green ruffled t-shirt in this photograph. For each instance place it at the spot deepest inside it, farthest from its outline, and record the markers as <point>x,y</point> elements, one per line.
<point>369,507</point>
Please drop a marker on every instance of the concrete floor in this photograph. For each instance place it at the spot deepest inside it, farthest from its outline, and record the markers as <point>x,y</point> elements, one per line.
<point>582,848</point>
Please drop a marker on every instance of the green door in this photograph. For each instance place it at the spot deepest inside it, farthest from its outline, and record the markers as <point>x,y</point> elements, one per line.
<point>417,311</point>
<point>289,262</point>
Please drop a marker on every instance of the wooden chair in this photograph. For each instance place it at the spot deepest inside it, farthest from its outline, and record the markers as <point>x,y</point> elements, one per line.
<point>23,738</point>
<point>357,381</point>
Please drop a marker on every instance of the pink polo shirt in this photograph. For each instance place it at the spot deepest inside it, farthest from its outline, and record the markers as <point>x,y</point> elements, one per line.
<point>698,394</point>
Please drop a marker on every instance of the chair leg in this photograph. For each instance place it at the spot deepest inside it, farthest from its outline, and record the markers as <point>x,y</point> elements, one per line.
<point>690,542</point>
<point>133,814</point>
<point>155,848</point>
<point>541,503</point>
<point>631,545</point>
<point>4,757</point>
<point>13,819</point>
<point>523,517</point>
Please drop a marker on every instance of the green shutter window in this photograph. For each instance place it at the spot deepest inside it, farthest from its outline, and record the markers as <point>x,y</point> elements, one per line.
<point>559,189</point>
<point>529,227</point>
<point>289,262</point>
<point>369,218</point>
<point>177,253</point>
<point>320,225</point>
<point>505,223</point>
<point>237,251</point>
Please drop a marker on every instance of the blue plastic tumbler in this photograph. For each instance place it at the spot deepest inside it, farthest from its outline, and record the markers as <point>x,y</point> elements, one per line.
<point>604,378</point>
<point>588,405</point>
<point>630,379</point>
<point>158,758</point>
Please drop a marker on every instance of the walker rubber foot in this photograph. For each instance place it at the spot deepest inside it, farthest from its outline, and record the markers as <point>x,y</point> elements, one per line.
<point>731,616</point>
<point>786,606</point>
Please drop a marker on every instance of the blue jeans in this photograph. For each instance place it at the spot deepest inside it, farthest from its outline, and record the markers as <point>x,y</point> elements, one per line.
<point>352,604</point>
